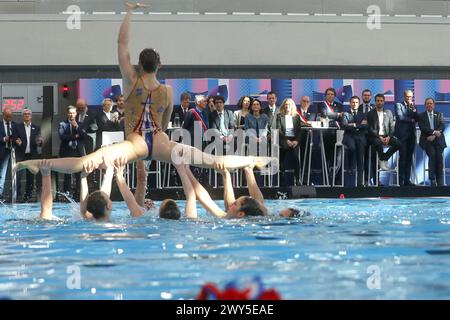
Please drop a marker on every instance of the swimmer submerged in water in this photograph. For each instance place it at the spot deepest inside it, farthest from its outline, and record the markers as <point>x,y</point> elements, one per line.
<point>168,208</point>
<point>241,207</point>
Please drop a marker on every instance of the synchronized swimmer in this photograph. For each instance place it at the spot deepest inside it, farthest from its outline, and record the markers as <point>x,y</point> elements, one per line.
<point>148,108</point>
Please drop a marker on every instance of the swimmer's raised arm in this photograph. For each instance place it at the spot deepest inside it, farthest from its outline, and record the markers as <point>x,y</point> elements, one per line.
<point>228,192</point>
<point>46,192</point>
<point>204,197</point>
<point>107,178</point>
<point>190,208</point>
<point>127,195</point>
<point>126,67</point>
<point>253,188</point>
<point>84,190</point>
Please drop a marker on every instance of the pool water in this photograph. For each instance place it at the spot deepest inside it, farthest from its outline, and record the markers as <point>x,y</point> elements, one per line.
<point>346,249</point>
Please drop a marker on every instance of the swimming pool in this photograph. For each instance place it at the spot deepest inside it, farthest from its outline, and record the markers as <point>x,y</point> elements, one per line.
<point>346,249</point>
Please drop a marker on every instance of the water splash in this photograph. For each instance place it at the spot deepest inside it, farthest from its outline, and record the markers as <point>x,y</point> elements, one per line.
<point>74,207</point>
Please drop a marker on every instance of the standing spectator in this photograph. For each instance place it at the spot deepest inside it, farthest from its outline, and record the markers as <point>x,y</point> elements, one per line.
<point>29,146</point>
<point>72,137</point>
<point>181,110</point>
<point>106,121</point>
<point>289,126</point>
<point>355,137</point>
<point>243,106</point>
<point>196,122</point>
<point>405,129</point>
<point>366,106</point>
<point>89,124</point>
<point>211,107</point>
<point>257,121</point>
<point>271,110</point>
<point>432,140</point>
<point>381,131</point>
<point>120,109</point>
<point>331,111</point>
<point>222,120</point>
<point>8,133</point>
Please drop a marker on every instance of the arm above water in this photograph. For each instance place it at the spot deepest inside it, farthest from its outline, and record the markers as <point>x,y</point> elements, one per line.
<point>228,192</point>
<point>253,188</point>
<point>189,192</point>
<point>46,192</point>
<point>127,195</point>
<point>204,197</point>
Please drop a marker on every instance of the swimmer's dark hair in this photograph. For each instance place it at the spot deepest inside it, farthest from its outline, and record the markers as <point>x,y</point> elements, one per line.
<point>169,210</point>
<point>149,60</point>
<point>96,203</point>
<point>295,213</point>
<point>251,207</point>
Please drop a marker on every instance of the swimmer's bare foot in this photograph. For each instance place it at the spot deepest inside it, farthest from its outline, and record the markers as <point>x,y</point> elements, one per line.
<point>261,162</point>
<point>32,165</point>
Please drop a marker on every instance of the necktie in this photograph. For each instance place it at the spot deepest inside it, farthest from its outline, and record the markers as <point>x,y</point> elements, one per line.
<point>8,133</point>
<point>222,124</point>
<point>430,117</point>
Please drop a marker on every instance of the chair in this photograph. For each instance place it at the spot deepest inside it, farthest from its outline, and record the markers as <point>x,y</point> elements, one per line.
<point>393,169</point>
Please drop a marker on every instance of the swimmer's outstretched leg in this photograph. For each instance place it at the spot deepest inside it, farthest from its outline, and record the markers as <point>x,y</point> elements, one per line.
<point>133,149</point>
<point>169,151</point>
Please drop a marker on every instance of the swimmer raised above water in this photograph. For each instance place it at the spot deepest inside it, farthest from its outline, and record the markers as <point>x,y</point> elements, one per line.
<point>148,104</point>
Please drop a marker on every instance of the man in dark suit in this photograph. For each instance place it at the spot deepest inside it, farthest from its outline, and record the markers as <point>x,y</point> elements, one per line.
<point>333,112</point>
<point>432,140</point>
<point>29,146</point>
<point>8,134</point>
<point>196,122</point>
<point>366,106</point>
<point>355,136</point>
<point>72,136</point>
<point>87,119</point>
<point>405,129</point>
<point>106,121</point>
<point>180,112</point>
<point>271,110</point>
<point>120,109</point>
<point>381,131</point>
<point>222,120</point>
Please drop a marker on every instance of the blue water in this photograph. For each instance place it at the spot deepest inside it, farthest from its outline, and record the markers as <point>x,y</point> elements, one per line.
<point>403,243</point>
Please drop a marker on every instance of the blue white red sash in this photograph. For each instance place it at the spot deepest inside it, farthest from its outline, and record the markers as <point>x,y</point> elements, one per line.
<point>199,118</point>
